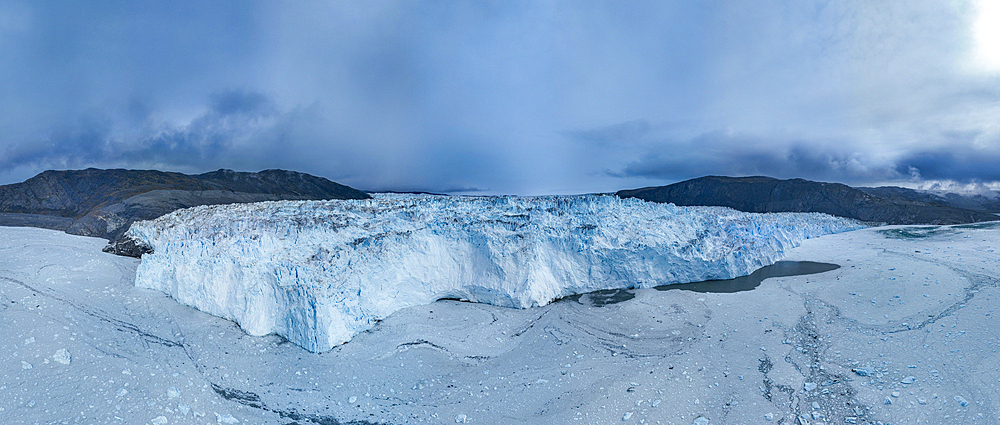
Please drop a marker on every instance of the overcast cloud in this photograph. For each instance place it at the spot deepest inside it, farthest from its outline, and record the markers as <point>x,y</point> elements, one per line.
<point>505,97</point>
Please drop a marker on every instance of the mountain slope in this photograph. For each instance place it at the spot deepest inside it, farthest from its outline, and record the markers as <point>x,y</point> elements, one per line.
<point>104,203</point>
<point>765,194</point>
<point>975,202</point>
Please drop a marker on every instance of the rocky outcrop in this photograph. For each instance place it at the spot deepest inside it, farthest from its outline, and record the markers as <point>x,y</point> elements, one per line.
<point>104,203</point>
<point>127,246</point>
<point>765,194</point>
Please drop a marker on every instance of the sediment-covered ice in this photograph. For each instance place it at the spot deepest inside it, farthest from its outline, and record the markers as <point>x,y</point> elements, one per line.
<point>319,272</point>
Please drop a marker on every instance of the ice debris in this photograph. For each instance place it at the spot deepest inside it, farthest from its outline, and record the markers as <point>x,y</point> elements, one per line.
<point>226,418</point>
<point>62,356</point>
<point>961,401</point>
<point>862,371</point>
<point>319,272</point>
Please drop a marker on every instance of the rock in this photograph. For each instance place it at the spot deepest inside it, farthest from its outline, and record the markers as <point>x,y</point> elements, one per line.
<point>126,246</point>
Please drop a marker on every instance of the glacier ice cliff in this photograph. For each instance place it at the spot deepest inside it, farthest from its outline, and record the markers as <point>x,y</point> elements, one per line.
<point>319,272</point>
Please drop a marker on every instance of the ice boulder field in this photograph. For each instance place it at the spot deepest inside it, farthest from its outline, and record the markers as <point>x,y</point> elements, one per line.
<point>903,332</point>
<point>319,272</point>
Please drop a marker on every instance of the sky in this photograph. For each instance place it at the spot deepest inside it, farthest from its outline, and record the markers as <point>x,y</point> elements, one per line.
<point>507,97</point>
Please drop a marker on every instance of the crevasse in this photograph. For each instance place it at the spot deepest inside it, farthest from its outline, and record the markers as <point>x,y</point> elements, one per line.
<point>319,272</point>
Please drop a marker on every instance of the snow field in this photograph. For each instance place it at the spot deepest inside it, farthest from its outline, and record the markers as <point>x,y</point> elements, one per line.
<point>798,349</point>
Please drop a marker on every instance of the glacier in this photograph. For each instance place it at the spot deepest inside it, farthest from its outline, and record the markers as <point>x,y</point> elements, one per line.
<point>319,272</point>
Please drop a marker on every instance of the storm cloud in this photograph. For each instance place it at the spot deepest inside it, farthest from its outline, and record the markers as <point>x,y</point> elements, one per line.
<point>503,97</point>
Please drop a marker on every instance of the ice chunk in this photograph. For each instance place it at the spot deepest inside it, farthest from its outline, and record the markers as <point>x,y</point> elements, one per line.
<point>961,401</point>
<point>461,418</point>
<point>319,272</point>
<point>226,419</point>
<point>173,392</point>
<point>159,420</point>
<point>862,371</point>
<point>626,416</point>
<point>701,420</point>
<point>62,356</point>
<point>25,365</point>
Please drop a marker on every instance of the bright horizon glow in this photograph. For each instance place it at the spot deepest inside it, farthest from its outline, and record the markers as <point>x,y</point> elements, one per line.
<point>987,32</point>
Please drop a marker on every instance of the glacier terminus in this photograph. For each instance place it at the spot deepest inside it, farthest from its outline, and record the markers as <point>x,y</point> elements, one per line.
<point>319,272</point>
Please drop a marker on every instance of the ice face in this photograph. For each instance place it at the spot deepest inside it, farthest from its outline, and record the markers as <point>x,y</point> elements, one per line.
<point>319,272</point>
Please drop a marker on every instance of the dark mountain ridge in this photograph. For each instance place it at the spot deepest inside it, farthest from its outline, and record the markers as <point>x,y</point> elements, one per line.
<point>766,194</point>
<point>104,203</point>
<point>975,202</point>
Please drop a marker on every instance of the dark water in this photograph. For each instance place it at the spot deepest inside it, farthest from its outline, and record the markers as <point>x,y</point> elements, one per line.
<point>745,283</point>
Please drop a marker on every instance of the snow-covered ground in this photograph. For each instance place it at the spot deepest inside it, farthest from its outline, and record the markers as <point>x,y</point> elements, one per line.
<point>904,332</point>
<point>319,272</point>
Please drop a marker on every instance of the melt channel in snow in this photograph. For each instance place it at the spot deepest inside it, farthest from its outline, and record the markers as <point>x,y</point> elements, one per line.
<point>319,272</point>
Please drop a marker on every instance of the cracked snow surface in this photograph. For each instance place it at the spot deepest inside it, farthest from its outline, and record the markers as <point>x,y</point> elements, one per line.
<point>904,332</point>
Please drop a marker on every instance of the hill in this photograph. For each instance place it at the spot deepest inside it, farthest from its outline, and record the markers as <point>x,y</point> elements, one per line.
<point>766,194</point>
<point>975,202</point>
<point>104,203</point>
